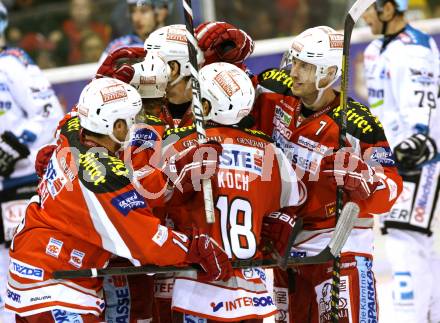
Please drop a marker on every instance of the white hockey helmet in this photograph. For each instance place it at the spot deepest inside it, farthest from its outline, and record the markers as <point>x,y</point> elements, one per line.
<point>229,91</point>
<point>170,43</point>
<point>105,100</point>
<point>322,47</point>
<point>151,76</point>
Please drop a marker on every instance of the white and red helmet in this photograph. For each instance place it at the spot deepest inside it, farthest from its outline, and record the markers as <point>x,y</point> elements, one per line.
<point>151,76</point>
<point>229,91</point>
<point>105,100</point>
<point>171,44</point>
<point>320,46</point>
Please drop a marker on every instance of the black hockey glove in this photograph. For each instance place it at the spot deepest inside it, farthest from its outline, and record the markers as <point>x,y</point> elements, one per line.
<point>11,151</point>
<point>414,151</point>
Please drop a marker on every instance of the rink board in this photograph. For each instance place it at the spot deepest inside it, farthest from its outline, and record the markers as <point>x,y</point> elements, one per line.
<point>267,54</point>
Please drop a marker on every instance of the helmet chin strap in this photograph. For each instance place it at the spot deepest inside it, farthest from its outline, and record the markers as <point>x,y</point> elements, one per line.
<point>177,80</point>
<point>113,137</point>
<point>384,22</point>
<point>322,89</point>
<point>125,142</point>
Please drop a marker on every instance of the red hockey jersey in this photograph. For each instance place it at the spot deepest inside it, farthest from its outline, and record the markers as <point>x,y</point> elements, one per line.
<point>254,179</point>
<point>306,140</point>
<point>88,211</point>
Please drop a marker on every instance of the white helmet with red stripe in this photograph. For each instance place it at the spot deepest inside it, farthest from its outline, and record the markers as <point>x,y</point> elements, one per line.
<point>171,44</point>
<point>151,76</point>
<point>105,100</point>
<point>229,91</point>
<point>320,46</point>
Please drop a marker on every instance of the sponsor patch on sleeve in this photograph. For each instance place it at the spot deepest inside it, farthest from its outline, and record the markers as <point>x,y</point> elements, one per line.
<point>382,155</point>
<point>128,201</point>
<point>53,248</point>
<point>144,138</point>
<point>76,258</point>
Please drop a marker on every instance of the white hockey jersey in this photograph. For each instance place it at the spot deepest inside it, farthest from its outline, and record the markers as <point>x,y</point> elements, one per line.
<point>28,107</point>
<point>403,85</point>
<point>402,81</point>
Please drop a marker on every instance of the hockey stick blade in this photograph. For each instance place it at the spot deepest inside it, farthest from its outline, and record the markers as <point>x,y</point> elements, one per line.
<point>358,8</point>
<point>344,226</point>
<point>340,235</point>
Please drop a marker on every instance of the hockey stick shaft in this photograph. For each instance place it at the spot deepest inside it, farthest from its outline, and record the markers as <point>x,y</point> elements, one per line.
<point>196,103</point>
<point>355,12</point>
<point>339,237</point>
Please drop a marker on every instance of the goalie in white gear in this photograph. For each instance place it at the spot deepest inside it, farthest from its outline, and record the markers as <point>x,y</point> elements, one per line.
<point>402,71</point>
<point>29,112</point>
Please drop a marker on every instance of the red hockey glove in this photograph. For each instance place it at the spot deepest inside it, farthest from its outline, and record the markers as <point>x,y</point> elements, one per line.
<point>123,72</point>
<point>193,164</point>
<point>350,171</point>
<point>205,251</point>
<point>278,233</point>
<point>42,159</point>
<point>223,42</point>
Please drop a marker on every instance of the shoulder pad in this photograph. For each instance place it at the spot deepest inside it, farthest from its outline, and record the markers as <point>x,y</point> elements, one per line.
<point>247,122</point>
<point>152,120</point>
<point>361,123</point>
<point>276,80</point>
<point>181,132</point>
<point>101,172</point>
<point>97,170</point>
<point>412,36</point>
<point>258,133</point>
<point>19,54</point>
<point>71,127</point>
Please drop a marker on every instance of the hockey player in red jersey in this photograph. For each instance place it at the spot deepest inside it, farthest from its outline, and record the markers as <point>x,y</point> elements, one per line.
<point>305,124</point>
<point>88,210</point>
<point>250,165</point>
<point>219,41</point>
<point>150,78</point>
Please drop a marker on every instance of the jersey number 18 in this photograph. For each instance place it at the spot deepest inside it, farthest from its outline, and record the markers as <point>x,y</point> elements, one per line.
<point>236,226</point>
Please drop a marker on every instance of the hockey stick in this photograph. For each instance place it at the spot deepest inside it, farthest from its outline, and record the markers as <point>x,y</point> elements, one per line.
<point>196,104</point>
<point>355,12</point>
<point>332,250</point>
